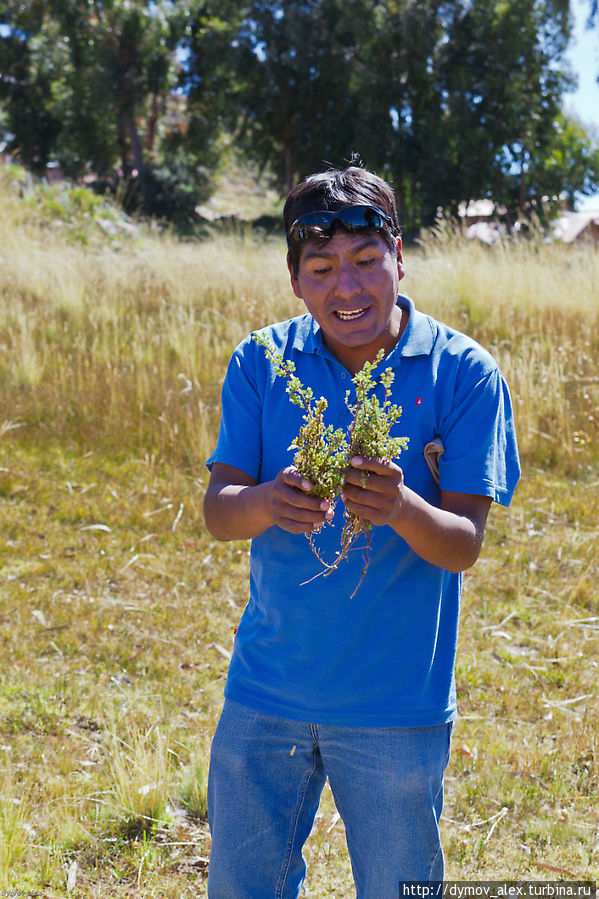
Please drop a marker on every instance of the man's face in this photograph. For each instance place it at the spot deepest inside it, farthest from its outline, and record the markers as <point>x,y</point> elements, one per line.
<point>350,283</point>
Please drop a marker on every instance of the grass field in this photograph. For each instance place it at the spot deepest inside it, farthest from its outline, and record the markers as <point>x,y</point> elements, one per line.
<point>117,607</point>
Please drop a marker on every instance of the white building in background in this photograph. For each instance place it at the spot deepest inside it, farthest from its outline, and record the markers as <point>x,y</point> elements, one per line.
<point>576,227</point>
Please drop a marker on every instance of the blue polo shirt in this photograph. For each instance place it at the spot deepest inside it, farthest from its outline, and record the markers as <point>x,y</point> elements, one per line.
<point>305,648</point>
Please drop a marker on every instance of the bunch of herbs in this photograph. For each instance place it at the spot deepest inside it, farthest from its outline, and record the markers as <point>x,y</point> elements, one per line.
<point>323,453</point>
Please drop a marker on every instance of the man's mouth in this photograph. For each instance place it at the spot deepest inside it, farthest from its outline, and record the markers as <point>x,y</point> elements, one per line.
<point>350,315</point>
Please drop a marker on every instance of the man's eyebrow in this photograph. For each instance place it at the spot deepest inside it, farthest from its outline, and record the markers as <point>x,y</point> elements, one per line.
<point>315,250</point>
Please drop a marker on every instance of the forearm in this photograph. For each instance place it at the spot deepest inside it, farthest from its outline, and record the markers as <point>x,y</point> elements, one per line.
<point>237,511</point>
<point>236,508</point>
<point>439,536</point>
<point>449,535</point>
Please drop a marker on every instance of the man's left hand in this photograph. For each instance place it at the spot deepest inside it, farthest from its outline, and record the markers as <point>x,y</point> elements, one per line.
<point>449,536</point>
<point>373,490</point>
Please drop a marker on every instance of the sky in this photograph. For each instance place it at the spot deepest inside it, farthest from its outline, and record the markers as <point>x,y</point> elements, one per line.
<point>584,58</point>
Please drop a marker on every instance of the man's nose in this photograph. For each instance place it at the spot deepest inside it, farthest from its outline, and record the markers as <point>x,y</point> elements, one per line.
<point>348,283</point>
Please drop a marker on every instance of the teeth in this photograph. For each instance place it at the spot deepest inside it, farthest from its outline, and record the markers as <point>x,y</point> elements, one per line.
<point>347,316</point>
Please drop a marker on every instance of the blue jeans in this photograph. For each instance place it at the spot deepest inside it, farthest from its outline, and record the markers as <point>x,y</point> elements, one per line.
<point>266,777</point>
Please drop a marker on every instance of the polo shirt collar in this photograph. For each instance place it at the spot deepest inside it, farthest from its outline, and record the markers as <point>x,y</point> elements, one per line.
<point>416,340</point>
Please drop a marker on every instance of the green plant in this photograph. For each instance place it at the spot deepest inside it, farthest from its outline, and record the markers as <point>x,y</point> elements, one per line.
<point>324,453</point>
<point>14,809</point>
<point>194,788</point>
<point>321,451</point>
<point>139,771</point>
<point>369,434</point>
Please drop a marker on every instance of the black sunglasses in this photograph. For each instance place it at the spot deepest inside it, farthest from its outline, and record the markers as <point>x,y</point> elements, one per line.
<point>320,223</point>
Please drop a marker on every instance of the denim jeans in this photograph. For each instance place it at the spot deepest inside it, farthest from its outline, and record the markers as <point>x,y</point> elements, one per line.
<point>266,778</point>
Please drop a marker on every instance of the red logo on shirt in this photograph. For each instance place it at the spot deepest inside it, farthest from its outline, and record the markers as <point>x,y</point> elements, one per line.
<point>419,401</point>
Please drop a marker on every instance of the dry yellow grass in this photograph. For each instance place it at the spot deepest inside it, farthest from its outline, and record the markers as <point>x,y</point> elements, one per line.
<point>118,609</point>
<point>96,340</point>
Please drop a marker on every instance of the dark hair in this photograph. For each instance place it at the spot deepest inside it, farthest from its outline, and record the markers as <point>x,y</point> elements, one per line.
<point>335,189</point>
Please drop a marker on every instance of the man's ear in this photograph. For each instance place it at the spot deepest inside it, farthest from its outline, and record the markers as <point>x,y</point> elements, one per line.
<point>294,279</point>
<point>400,268</point>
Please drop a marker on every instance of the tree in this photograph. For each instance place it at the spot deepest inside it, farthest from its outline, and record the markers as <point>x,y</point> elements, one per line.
<point>569,159</point>
<point>102,75</point>
<point>207,79</point>
<point>450,99</point>
<point>476,88</point>
<point>25,90</point>
<point>503,92</point>
<point>102,65</point>
<point>295,64</point>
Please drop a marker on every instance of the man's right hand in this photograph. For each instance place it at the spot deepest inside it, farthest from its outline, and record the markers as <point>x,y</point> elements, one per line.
<point>237,508</point>
<point>292,507</point>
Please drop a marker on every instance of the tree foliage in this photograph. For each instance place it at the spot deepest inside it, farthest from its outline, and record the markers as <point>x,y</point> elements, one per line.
<point>449,99</point>
<point>102,75</point>
<point>295,65</point>
<point>100,66</point>
<point>567,158</point>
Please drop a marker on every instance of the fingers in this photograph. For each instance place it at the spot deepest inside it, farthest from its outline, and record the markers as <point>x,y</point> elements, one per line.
<point>293,478</point>
<point>293,508</point>
<point>373,474</point>
<point>377,466</point>
<point>372,489</point>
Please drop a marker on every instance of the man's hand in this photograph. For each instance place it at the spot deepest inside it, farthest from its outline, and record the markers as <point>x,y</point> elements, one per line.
<point>450,536</point>
<point>291,506</point>
<point>237,508</point>
<point>373,490</point>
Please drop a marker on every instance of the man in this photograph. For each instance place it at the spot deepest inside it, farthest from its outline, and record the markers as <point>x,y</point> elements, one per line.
<point>322,684</point>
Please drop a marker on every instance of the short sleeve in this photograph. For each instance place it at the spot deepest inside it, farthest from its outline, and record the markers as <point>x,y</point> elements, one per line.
<point>479,437</point>
<point>240,433</point>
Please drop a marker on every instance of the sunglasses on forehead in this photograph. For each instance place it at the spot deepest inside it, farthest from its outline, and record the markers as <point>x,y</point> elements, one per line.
<point>320,222</point>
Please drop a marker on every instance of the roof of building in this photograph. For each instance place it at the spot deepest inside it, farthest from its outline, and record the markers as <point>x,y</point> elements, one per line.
<point>570,225</point>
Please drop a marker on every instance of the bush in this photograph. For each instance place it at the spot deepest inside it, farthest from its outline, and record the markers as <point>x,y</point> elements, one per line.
<point>169,191</point>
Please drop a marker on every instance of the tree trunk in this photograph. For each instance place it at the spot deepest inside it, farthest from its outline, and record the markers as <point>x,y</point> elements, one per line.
<point>289,178</point>
<point>400,199</point>
<point>153,123</point>
<point>124,144</point>
<point>138,160</point>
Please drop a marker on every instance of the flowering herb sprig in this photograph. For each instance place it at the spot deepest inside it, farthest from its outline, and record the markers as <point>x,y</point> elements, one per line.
<point>323,454</point>
<point>369,433</point>
<point>321,451</point>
